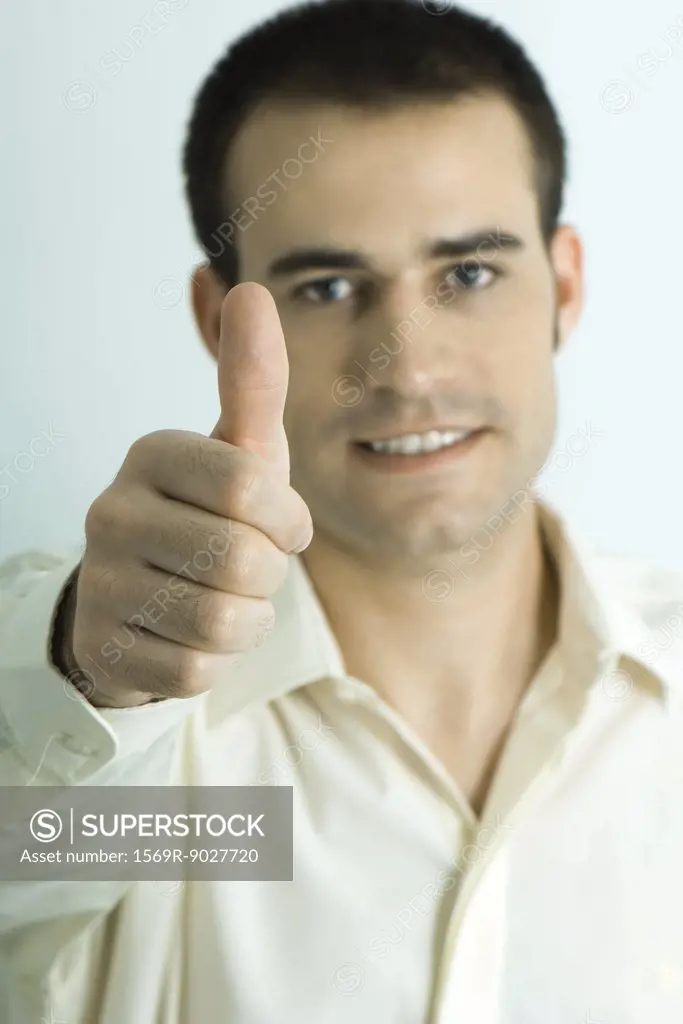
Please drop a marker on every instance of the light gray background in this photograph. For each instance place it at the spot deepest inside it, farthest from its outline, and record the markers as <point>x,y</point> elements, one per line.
<point>98,339</point>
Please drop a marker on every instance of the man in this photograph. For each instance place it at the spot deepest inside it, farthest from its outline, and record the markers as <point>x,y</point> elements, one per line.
<point>487,796</point>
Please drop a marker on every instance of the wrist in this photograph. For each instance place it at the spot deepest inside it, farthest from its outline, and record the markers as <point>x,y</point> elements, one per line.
<point>63,658</point>
<point>61,640</point>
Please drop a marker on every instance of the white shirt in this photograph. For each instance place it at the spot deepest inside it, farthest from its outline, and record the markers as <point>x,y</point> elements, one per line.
<point>562,903</point>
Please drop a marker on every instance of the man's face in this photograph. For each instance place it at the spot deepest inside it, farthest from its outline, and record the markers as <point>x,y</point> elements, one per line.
<point>395,330</point>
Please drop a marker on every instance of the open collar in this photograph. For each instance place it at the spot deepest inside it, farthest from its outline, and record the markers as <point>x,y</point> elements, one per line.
<point>597,623</point>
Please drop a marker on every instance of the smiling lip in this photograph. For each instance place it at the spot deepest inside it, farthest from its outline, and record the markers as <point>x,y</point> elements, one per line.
<point>397,462</point>
<point>405,431</point>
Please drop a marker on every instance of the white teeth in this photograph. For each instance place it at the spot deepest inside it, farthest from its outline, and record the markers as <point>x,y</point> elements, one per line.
<point>414,444</point>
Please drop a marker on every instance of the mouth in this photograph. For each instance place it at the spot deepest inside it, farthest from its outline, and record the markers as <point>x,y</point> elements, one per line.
<point>409,452</point>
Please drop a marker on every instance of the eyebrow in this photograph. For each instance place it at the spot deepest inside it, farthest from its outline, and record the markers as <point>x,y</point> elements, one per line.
<point>316,258</point>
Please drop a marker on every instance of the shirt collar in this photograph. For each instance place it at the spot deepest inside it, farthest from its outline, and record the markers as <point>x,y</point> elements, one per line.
<point>600,622</point>
<point>596,626</point>
<point>300,650</point>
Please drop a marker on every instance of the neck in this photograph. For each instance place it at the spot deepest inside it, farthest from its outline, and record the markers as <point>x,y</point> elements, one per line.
<point>450,647</point>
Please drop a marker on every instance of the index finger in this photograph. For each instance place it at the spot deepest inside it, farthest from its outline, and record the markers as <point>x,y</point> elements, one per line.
<point>253,374</point>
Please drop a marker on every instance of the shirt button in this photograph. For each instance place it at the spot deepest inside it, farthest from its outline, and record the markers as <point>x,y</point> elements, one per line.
<point>76,747</point>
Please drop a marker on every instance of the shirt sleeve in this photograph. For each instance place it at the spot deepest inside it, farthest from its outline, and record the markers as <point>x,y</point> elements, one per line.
<point>51,736</point>
<point>49,733</point>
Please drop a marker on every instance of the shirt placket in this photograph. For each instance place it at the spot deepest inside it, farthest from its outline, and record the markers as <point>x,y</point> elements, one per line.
<point>472,960</point>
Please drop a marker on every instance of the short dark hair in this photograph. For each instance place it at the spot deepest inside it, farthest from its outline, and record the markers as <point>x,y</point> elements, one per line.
<point>368,54</point>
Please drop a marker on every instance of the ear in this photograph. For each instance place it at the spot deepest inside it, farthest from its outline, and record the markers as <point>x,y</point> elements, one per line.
<point>208,292</point>
<point>566,254</point>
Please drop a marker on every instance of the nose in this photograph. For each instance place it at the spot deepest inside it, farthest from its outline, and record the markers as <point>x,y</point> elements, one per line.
<point>405,342</point>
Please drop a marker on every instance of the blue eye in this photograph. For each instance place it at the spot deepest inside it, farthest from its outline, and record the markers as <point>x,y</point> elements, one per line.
<point>470,275</point>
<point>325,290</point>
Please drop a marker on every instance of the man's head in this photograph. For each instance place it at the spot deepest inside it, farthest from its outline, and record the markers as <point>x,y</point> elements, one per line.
<point>395,179</point>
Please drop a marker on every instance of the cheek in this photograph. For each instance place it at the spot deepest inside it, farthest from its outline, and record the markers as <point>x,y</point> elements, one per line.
<point>533,403</point>
<point>527,390</point>
<point>318,372</point>
<point>523,329</point>
<point>518,366</point>
<point>310,403</point>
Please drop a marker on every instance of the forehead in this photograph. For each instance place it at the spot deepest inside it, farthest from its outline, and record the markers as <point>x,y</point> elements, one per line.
<point>379,180</point>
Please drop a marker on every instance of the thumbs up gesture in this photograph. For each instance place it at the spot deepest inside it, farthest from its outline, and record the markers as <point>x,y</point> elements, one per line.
<point>190,540</point>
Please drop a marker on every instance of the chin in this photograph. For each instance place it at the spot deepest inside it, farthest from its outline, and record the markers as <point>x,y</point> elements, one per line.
<point>420,542</point>
<point>420,529</point>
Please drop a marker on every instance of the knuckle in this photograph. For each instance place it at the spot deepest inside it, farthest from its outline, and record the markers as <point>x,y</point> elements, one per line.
<point>138,453</point>
<point>192,455</point>
<point>201,456</point>
<point>142,448</point>
<point>154,438</point>
<point>241,557</point>
<point>99,582</point>
<point>137,671</point>
<point>214,617</point>
<point>179,535</point>
<point>182,537</point>
<point>149,448</point>
<point>189,670</point>
<point>296,525</point>
<point>295,537</point>
<point>102,517</point>
<point>240,488</point>
<point>220,546</point>
<point>304,521</point>
<point>183,676</point>
<point>256,565</point>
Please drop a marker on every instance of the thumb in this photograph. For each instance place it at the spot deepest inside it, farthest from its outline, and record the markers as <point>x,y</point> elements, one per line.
<point>253,373</point>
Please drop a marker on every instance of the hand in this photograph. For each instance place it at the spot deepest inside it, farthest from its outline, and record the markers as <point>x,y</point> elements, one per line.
<point>185,547</point>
